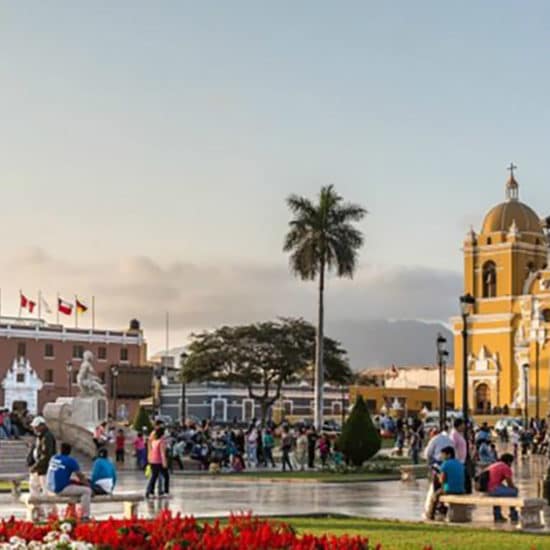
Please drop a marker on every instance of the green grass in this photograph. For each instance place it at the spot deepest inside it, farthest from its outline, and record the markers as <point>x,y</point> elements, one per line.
<point>393,535</point>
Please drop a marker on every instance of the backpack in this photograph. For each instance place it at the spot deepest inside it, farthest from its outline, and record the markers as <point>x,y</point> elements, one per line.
<point>482,481</point>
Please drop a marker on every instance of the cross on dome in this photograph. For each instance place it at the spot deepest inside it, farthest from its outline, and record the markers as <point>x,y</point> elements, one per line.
<point>512,186</point>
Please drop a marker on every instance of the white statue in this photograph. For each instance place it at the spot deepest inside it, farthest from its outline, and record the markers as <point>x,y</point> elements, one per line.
<point>89,383</point>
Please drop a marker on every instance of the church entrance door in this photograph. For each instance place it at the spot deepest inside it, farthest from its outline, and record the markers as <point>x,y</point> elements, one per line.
<point>483,398</point>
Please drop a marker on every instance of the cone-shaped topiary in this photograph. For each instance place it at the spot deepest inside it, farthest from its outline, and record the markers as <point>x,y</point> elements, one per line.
<point>142,421</point>
<point>359,439</point>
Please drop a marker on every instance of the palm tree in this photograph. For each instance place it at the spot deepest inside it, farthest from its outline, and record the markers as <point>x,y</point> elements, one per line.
<point>322,237</point>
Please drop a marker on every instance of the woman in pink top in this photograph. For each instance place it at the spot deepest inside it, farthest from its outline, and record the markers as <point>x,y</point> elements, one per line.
<point>156,456</point>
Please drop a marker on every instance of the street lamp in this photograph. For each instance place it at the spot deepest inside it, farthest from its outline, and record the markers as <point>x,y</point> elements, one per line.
<point>442,353</point>
<point>69,367</point>
<point>343,405</point>
<point>183,408</point>
<point>114,388</point>
<point>525,373</point>
<point>466,305</point>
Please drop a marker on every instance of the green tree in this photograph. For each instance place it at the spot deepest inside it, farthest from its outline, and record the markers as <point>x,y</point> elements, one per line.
<point>322,238</point>
<point>359,440</point>
<point>261,357</point>
<point>142,421</point>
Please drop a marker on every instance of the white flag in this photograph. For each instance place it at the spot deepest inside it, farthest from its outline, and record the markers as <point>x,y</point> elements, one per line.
<point>45,305</point>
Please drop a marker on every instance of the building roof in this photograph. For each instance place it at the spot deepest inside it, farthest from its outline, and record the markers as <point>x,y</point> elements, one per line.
<point>512,212</point>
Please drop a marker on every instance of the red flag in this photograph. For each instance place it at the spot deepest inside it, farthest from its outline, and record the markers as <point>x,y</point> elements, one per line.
<point>64,307</point>
<point>24,302</point>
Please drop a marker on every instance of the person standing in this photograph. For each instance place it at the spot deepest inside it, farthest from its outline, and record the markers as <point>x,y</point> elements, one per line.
<point>61,469</point>
<point>286,448</point>
<point>42,451</point>
<point>120,442</point>
<point>311,446</point>
<point>459,443</point>
<point>268,444</point>
<point>301,449</point>
<point>140,451</point>
<point>156,456</point>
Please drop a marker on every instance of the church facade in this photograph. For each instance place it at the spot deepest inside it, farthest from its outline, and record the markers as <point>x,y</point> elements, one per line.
<point>506,271</point>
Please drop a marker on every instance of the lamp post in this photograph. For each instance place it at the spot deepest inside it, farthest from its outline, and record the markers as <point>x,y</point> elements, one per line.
<point>114,388</point>
<point>442,353</point>
<point>466,305</point>
<point>343,405</point>
<point>69,367</point>
<point>525,368</point>
<point>183,358</point>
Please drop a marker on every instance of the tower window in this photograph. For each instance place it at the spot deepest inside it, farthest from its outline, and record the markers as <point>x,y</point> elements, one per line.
<point>489,240</point>
<point>546,315</point>
<point>489,280</point>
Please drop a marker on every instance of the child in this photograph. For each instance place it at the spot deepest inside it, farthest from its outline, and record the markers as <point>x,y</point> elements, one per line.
<point>120,440</point>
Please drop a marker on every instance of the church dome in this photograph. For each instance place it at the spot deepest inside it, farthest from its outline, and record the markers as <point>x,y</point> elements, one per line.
<point>512,212</point>
<point>502,216</point>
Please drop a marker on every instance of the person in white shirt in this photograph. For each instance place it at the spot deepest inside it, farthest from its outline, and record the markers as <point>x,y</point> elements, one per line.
<point>435,445</point>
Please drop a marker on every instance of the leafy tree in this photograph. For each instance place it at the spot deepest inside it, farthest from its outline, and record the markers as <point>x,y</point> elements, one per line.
<point>261,357</point>
<point>359,440</point>
<point>322,238</point>
<point>142,421</point>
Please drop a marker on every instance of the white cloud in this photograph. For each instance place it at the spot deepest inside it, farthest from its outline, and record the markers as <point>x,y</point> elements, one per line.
<point>206,295</point>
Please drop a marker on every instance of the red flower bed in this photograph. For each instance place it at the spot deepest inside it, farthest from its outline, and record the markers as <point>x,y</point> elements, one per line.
<point>174,532</point>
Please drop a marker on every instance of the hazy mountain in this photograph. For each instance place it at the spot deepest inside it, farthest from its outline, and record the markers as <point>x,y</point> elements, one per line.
<point>379,343</point>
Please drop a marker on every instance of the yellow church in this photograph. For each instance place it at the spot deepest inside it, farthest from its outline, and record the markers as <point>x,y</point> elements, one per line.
<point>506,271</point>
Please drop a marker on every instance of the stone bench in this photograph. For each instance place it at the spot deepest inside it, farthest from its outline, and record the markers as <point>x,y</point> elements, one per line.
<point>410,471</point>
<point>530,509</point>
<point>15,480</point>
<point>129,500</point>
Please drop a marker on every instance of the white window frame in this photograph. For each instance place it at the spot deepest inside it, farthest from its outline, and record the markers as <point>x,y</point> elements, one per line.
<point>213,407</point>
<point>243,409</point>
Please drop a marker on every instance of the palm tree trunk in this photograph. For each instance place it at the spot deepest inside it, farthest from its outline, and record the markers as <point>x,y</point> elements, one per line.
<point>319,363</point>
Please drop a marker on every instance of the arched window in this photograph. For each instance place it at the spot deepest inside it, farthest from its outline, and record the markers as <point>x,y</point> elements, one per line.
<point>489,240</point>
<point>489,280</point>
<point>546,315</point>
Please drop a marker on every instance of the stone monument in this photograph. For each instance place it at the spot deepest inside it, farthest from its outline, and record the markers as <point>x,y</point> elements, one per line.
<point>89,408</point>
<point>74,419</point>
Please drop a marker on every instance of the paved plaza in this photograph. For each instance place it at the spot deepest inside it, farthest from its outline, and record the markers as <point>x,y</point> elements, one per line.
<point>202,496</point>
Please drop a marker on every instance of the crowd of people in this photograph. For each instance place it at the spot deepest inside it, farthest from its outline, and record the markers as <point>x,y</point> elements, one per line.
<point>448,453</point>
<point>236,449</point>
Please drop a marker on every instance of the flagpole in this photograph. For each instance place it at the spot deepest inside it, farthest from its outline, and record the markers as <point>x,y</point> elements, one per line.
<point>75,311</point>
<point>93,312</point>
<point>39,304</point>
<point>20,293</point>
<point>167,333</point>
<point>57,312</point>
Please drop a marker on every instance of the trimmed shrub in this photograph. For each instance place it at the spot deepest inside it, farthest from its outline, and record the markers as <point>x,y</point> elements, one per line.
<point>142,421</point>
<point>359,439</point>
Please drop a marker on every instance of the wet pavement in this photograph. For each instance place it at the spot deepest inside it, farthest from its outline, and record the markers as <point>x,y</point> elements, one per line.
<point>218,496</point>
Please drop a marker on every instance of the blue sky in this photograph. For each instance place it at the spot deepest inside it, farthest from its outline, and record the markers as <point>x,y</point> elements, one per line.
<point>170,134</point>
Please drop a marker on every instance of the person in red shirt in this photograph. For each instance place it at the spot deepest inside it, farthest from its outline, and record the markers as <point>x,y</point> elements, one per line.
<point>501,484</point>
<point>120,441</point>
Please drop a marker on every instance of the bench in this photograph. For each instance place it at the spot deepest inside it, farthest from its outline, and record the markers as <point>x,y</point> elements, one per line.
<point>410,471</point>
<point>530,509</point>
<point>15,480</point>
<point>129,500</point>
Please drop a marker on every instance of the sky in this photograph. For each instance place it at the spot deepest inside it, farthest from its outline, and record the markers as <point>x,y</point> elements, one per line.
<point>146,149</point>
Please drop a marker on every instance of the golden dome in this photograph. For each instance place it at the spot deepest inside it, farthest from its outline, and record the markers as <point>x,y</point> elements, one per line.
<point>502,216</point>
